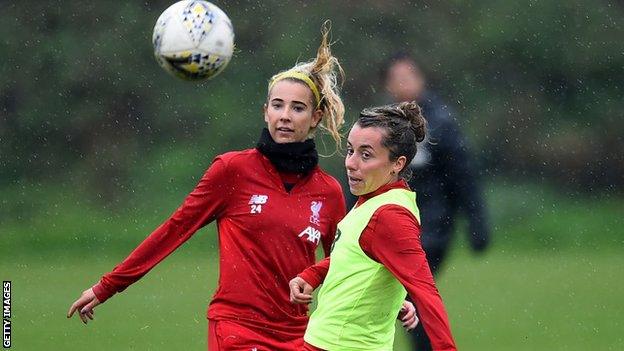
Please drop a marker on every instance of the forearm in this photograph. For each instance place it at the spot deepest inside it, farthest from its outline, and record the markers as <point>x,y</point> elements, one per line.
<point>204,203</point>
<point>315,275</point>
<point>432,314</point>
<point>156,247</point>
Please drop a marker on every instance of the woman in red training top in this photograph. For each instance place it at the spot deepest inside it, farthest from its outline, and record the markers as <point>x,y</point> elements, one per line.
<point>273,206</point>
<point>377,255</point>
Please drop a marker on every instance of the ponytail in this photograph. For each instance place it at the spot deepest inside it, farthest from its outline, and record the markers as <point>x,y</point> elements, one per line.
<point>327,76</point>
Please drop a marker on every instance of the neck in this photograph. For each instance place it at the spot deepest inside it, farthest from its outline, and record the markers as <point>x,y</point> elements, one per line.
<point>298,157</point>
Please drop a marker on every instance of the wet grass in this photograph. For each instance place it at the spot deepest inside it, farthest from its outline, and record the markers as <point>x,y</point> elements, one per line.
<point>551,281</point>
<point>534,301</point>
<point>498,301</point>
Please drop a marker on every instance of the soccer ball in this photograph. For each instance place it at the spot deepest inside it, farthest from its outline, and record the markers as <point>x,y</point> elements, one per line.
<point>193,40</point>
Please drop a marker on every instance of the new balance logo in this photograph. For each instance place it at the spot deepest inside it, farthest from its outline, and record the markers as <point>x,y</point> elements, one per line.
<point>256,203</point>
<point>258,199</point>
<point>314,235</point>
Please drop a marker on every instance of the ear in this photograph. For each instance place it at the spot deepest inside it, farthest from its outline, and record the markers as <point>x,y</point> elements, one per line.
<point>399,164</point>
<point>264,111</point>
<point>317,115</point>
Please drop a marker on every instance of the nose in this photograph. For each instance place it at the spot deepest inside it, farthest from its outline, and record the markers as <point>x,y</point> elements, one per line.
<point>285,115</point>
<point>350,163</point>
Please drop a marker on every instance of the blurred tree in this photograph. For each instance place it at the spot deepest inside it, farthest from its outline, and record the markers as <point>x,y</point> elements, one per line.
<point>540,81</point>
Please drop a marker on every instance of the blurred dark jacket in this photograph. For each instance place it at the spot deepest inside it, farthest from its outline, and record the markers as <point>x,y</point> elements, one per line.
<point>445,180</point>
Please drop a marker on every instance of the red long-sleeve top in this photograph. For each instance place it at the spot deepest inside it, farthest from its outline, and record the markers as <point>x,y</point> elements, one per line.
<point>392,238</point>
<point>266,236</point>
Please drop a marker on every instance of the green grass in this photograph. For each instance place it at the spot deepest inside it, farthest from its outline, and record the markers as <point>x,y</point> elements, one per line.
<point>539,301</point>
<point>165,310</point>
<point>499,301</point>
<point>552,280</point>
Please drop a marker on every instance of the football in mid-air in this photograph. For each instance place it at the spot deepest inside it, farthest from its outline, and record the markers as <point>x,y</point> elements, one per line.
<point>193,40</point>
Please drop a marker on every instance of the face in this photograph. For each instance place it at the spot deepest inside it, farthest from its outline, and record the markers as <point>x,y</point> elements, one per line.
<point>404,81</point>
<point>368,161</point>
<point>290,113</point>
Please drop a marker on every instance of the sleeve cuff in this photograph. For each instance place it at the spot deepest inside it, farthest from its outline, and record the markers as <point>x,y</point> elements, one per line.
<point>311,278</point>
<point>101,292</point>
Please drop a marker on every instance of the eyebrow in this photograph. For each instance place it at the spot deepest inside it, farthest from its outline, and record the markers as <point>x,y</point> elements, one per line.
<point>364,146</point>
<point>294,101</point>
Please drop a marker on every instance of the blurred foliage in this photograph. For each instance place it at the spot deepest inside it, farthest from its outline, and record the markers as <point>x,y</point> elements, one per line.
<point>56,220</point>
<point>98,145</point>
<point>537,84</point>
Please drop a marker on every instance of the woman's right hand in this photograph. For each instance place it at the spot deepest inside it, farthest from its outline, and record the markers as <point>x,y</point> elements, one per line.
<point>300,291</point>
<point>84,305</point>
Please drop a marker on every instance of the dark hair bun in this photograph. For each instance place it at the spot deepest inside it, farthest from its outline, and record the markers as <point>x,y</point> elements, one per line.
<point>404,125</point>
<point>413,114</point>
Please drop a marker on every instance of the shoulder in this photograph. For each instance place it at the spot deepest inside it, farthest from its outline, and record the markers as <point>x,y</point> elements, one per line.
<point>236,159</point>
<point>327,181</point>
<point>392,215</point>
<point>393,226</point>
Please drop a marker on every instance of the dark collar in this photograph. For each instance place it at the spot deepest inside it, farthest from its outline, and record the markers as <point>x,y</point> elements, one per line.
<point>299,157</point>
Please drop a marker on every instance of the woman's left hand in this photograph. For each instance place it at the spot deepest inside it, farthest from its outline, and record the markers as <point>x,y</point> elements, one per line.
<point>300,291</point>
<point>407,315</point>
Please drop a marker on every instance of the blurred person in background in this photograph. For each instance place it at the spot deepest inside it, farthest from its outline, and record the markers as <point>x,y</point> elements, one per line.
<point>273,206</point>
<point>444,173</point>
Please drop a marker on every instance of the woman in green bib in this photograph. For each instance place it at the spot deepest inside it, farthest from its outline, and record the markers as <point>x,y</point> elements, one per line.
<point>377,257</point>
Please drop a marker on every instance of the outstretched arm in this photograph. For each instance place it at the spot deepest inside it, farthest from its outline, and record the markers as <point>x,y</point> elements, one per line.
<point>200,207</point>
<point>394,241</point>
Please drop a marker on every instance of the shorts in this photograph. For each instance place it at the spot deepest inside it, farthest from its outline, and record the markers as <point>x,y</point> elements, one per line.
<point>226,335</point>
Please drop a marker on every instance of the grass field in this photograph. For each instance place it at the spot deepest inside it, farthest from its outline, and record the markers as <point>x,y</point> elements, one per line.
<point>500,301</point>
<point>552,281</point>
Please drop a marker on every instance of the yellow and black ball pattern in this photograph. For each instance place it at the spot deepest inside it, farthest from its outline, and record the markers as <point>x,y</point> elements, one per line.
<point>193,39</point>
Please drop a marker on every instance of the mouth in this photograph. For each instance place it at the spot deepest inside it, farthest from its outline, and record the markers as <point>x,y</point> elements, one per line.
<point>353,181</point>
<point>285,130</point>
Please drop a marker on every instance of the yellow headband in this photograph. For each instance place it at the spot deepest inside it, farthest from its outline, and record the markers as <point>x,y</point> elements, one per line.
<point>299,76</point>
